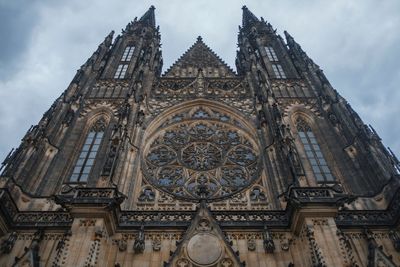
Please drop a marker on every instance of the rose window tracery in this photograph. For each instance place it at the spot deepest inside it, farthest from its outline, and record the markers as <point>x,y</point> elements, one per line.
<point>201,156</point>
<point>201,159</point>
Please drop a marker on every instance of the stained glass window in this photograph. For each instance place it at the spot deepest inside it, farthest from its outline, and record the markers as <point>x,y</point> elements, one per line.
<point>127,56</point>
<point>201,159</point>
<point>121,71</point>
<point>314,154</point>
<point>271,53</point>
<point>278,71</point>
<point>88,153</point>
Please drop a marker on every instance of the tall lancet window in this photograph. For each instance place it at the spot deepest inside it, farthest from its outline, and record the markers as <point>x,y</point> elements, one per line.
<point>313,152</point>
<point>278,71</point>
<point>128,53</point>
<point>121,71</point>
<point>271,53</point>
<point>88,153</point>
<point>124,62</point>
<point>276,66</point>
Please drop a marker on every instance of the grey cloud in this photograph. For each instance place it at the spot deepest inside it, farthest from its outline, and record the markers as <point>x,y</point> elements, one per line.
<point>355,42</point>
<point>15,29</point>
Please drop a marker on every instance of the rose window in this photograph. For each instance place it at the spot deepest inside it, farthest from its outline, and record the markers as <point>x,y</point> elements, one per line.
<point>201,159</point>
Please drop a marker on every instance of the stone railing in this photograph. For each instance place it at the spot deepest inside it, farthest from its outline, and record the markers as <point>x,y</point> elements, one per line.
<point>371,218</point>
<point>90,196</point>
<point>109,199</point>
<point>155,218</point>
<point>25,219</point>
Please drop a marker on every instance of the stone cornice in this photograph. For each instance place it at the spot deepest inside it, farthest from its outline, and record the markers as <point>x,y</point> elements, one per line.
<point>105,203</point>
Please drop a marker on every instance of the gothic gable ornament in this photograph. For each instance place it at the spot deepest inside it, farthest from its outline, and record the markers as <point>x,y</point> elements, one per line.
<point>197,57</point>
<point>204,244</point>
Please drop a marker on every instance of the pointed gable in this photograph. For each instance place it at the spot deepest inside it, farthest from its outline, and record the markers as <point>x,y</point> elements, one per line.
<point>204,244</point>
<point>199,56</point>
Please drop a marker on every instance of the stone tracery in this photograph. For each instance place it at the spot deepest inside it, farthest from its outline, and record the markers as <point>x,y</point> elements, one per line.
<point>200,158</point>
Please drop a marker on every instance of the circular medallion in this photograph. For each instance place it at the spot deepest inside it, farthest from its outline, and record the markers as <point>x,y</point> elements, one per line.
<point>204,249</point>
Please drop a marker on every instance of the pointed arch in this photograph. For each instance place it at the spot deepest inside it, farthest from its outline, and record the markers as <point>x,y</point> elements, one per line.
<point>313,152</point>
<point>194,108</point>
<point>89,150</point>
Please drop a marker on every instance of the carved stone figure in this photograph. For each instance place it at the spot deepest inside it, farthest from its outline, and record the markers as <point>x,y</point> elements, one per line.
<point>251,244</point>
<point>156,243</point>
<point>138,245</point>
<point>122,245</point>
<point>268,241</point>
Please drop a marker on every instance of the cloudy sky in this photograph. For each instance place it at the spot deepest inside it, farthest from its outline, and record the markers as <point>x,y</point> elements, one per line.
<point>43,43</point>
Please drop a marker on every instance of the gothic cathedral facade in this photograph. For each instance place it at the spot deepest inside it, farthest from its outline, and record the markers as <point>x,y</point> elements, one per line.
<point>201,165</point>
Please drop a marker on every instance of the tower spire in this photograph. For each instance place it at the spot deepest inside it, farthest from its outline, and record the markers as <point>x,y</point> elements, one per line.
<point>292,43</point>
<point>298,54</point>
<point>248,17</point>
<point>149,18</point>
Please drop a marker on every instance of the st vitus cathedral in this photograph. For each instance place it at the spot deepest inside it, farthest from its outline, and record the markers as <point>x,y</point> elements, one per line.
<point>201,165</point>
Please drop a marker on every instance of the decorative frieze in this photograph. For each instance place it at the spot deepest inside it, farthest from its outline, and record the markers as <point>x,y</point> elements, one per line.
<point>44,219</point>
<point>109,89</point>
<point>229,90</point>
<point>345,218</point>
<point>286,88</point>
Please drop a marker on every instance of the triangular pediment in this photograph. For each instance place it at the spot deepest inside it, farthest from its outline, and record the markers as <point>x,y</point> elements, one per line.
<point>204,244</point>
<point>199,56</point>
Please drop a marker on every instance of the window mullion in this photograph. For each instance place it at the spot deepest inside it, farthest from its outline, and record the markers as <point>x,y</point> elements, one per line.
<point>87,156</point>
<point>314,155</point>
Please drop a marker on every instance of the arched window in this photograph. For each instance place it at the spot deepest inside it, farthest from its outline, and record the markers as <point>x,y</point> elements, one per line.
<point>88,153</point>
<point>128,53</point>
<point>313,152</point>
<point>124,62</point>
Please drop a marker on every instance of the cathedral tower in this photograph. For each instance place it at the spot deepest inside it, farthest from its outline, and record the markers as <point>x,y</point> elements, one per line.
<point>201,165</point>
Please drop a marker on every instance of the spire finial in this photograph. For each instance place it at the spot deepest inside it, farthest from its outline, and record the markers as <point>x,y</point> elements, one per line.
<point>199,39</point>
<point>149,17</point>
<point>248,17</point>
<point>290,40</point>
